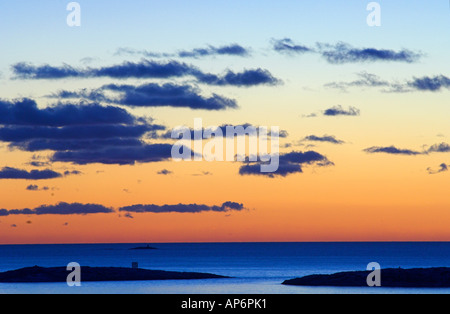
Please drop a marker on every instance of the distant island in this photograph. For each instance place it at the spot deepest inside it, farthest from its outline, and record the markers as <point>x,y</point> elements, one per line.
<point>148,247</point>
<point>59,274</point>
<point>392,277</point>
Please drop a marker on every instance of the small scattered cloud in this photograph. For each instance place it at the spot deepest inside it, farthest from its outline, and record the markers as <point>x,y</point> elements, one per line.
<point>196,53</point>
<point>340,111</point>
<point>392,150</point>
<point>202,174</point>
<point>289,163</point>
<point>335,111</point>
<point>34,187</point>
<point>165,172</point>
<point>366,80</point>
<point>341,53</point>
<point>442,168</point>
<point>72,173</point>
<point>288,46</point>
<point>432,84</point>
<point>13,173</point>
<point>326,138</point>
<point>128,215</point>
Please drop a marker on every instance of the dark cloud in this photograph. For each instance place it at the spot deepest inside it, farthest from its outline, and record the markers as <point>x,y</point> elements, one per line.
<point>439,148</point>
<point>76,135</point>
<point>148,69</point>
<point>344,53</point>
<point>35,145</point>
<point>336,111</point>
<point>27,133</point>
<point>283,170</point>
<point>145,69</point>
<point>60,209</point>
<point>230,50</point>
<point>164,172</point>
<point>82,136</point>
<point>340,111</point>
<point>288,46</point>
<point>442,168</point>
<point>13,173</point>
<point>227,50</point>
<point>33,187</point>
<point>289,163</point>
<point>117,155</point>
<point>426,83</point>
<point>432,84</point>
<point>24,70</point>
<point>246,78</point>
<point>168,95</point>
<point>128,215</point>
<point>25,112</point>
<point>202,174</point>
<point>325,138</point>
<point>364,80</point>
<point>72,173</point>
<point>183,208</point>
<point>246,128</point>
<point>341,52</point>
<point>39,163</point>
<point>391,150</point>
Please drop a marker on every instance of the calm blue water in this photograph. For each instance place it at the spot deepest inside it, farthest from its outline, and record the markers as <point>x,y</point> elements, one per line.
<point>256,267</point>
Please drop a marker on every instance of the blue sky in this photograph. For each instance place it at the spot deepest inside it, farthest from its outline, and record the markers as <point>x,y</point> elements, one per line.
<point>174,24</point>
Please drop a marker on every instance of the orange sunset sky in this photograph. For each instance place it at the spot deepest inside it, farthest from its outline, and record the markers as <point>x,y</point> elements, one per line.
<point>84,111</point>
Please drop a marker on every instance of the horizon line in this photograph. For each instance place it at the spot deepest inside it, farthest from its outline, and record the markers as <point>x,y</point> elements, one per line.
<point>232,242</point>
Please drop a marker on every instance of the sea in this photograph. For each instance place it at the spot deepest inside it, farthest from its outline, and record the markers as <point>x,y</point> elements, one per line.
<point>255,268</point>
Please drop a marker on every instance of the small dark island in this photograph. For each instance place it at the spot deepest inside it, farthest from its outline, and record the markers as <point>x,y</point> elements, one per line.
<point>391,277</point>
<point>59,274</point>
<point>148,247</point>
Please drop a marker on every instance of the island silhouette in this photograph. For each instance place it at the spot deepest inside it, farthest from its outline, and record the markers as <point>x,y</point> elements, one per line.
<point>391,277</point>
<point>38,274</point>
<point>148,247</point>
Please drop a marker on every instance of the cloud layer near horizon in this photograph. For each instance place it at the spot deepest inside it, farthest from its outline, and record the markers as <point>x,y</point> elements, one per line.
<point>86,209</point>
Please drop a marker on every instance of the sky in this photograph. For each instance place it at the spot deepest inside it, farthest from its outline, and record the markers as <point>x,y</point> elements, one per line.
<point>86,114</point>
